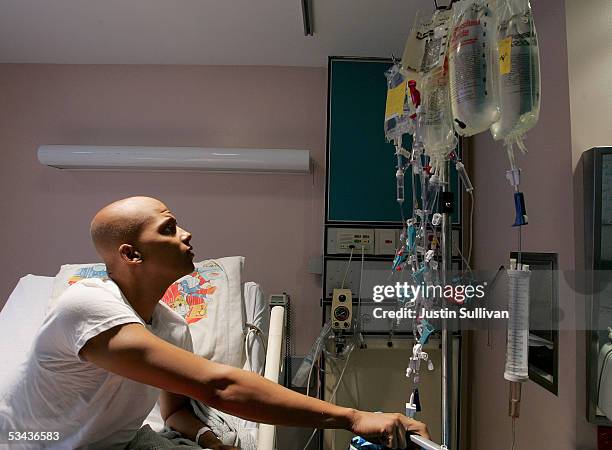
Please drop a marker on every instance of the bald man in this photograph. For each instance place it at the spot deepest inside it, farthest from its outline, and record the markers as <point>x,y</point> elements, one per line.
<point>107,347</point>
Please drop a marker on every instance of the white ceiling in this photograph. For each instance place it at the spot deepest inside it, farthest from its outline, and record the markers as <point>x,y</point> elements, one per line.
<point>211,32</point>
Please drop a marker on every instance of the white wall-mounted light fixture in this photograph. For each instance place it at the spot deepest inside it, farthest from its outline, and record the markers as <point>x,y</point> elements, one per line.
<point>132,158</point>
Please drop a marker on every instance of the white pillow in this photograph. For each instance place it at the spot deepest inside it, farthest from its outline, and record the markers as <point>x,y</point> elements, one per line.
<point>220,338</point>
<point>20,319</point>
<point>71,273</point>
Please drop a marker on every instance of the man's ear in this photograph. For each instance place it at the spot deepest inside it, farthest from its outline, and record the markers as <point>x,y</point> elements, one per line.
<point>130,254</point>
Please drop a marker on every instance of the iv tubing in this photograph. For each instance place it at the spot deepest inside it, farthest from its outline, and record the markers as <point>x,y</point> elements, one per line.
<point>471,231</point>
<point>400,171</point>
<point>415,202</point>
<point>348,265</point>
<point>511,158</point>
<point>360,320</point>
<point>333,396</point>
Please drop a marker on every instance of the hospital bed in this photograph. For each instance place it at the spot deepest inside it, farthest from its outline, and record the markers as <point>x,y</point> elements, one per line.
<point>227,303</point>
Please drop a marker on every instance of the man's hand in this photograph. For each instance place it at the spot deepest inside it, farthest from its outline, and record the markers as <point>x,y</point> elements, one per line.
<point>386,429</point>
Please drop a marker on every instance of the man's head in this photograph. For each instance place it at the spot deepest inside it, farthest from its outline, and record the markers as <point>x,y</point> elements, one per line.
<point>139,236</point>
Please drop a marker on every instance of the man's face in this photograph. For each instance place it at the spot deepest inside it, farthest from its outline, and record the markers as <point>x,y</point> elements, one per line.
<point>164,246</point>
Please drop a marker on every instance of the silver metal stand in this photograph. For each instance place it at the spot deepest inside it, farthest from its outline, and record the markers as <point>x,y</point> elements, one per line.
<point>446,247</point>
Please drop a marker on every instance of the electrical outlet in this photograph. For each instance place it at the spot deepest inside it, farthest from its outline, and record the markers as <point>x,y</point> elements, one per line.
<point>340,240</point>
<point>385,242</point>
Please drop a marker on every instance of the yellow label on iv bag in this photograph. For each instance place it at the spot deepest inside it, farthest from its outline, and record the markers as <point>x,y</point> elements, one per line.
<point>505,50</point>
<point>395,101</point>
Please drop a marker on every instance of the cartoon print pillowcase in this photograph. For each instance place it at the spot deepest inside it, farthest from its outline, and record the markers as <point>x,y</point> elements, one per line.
<point>220,337</point>
<point>71,273</point>
<point>189,296</point>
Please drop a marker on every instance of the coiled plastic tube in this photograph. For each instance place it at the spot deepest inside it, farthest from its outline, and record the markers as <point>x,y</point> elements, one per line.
<point>517,351</point>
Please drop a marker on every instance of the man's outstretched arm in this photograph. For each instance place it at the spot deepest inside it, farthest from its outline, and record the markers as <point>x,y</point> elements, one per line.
<point>133,352</point>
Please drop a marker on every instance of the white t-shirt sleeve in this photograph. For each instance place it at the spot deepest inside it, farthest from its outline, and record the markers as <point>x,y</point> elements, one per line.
<point>187,343</point>
<point>84,311</point>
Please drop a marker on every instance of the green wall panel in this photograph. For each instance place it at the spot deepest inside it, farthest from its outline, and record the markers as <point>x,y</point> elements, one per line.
<point>361,164</point>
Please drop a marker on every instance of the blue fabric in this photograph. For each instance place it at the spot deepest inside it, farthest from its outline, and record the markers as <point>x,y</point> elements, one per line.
<point>359,443</point>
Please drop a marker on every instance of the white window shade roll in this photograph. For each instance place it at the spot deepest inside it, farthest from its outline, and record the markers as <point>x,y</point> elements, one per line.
<point>133,158</point>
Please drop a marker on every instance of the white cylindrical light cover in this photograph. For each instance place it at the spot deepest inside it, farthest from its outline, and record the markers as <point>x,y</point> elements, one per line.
<point>93,157</point>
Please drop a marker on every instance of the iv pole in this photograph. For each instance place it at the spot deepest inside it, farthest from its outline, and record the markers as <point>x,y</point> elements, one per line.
<point>446,208</point>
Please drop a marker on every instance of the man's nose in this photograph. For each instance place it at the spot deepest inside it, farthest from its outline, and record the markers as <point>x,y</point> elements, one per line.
<point>185,236</point>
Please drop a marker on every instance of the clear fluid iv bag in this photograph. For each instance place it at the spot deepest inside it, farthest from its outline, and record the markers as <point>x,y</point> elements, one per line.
<point>427,43</point>
<point>436,40</point>
<point>519,72</point>
<point>473,68</point>
<point>412,56</point>
<point>437,126</point>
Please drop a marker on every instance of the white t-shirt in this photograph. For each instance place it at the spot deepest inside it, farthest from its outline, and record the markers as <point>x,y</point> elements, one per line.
<point>58,391</point>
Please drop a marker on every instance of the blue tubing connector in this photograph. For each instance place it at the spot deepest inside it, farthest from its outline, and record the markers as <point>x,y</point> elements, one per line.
<point>519,207</point>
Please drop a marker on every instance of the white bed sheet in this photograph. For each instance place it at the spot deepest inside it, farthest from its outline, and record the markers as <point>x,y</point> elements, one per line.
<point>20,320</point>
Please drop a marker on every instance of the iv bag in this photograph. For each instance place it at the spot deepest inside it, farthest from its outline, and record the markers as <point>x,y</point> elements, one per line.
<point>397,122</point>
<point>413,49</point>
<point>473,68</point>
<point>436,41</point>
<point>426,46</point>
<point>519,72</point>
<point>437,125</point>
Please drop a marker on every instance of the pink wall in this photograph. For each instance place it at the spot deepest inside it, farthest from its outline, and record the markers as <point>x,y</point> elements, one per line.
<point>273,220</point>
<point>546,421</point>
